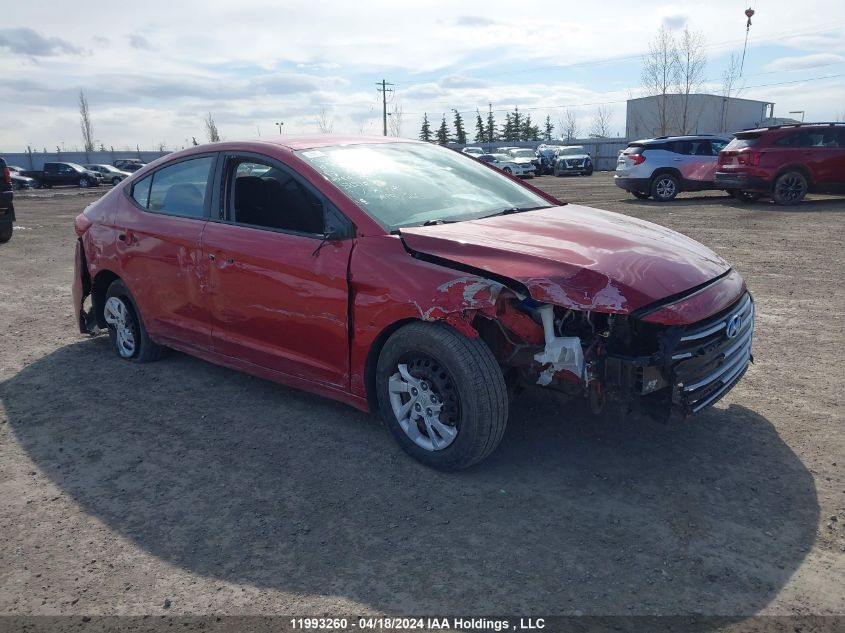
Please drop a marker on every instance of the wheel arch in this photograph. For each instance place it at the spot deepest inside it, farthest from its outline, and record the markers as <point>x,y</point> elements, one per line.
<point>802,169</point>
<point>666,170</point>
<point>99,286</point>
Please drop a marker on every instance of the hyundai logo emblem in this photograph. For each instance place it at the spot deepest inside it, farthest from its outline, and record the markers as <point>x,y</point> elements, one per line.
<point>734,324</point>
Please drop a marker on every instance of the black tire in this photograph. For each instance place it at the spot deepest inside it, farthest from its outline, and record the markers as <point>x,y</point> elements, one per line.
<point>115,181</point>
<point>508,171</point>
<point>6,232</point>
<point>589,172</point>
<point>639,195</point>
<point>664,187</point>
<point>145,350</point>
<point>84,183</point>
<point>465,374</point>
<point>790,188</point>
<point>556,172</point>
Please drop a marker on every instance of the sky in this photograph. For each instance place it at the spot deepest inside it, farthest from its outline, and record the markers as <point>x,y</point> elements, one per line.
<point>152,71</point>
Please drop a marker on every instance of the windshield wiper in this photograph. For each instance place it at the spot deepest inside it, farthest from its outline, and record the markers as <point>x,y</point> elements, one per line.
<point>437,221</point>
<point>511,210</point>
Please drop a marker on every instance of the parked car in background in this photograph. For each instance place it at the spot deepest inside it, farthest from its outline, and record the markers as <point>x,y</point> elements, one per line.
<point>546,157</point>
<point>56,174</point>
<point>523,154</point>
<point>510,165</point>
<point>15,169</point>
<point>20,181</point>
<point>128,164</point>
<point>572,160</point>
<point>473,151</point>
<point>7,208</point>
<point>665,166</point>
<point>109,173</point>
<point>785,162</point>
<point>403,278</point>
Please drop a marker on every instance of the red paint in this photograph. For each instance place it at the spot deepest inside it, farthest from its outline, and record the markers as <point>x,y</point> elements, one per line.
<point>269,303</point>
<point>702,304</point>
<point>575,256</point>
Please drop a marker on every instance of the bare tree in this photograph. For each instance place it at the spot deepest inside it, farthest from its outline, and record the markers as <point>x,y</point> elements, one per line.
<point>690,61</point>
<point>394,120</point>
<point>325,123</point>
<point>730,78</point>
<point>660,74</point>
<point>600,125</point>
<point>568,126</point>
<point>211,129</point>
<point>162,147</point>
<point>85,123</point>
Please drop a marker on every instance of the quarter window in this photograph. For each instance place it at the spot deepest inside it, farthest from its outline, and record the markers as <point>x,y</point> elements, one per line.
<point>267,196</point>
<point>141,191</point>
<point>179,189</point>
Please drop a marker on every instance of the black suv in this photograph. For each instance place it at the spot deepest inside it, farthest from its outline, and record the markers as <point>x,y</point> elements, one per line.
<point>7,209</point>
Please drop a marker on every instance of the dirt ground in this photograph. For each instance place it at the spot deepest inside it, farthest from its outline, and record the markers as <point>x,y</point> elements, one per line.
<point>123,486</point>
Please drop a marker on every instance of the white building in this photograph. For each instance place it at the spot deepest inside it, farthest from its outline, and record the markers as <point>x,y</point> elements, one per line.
<point>696,114</point>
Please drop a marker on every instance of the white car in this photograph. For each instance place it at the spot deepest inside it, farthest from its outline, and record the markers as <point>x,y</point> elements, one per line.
<point>473,151</point>
<point>109,173</point>
<point>509,164</point>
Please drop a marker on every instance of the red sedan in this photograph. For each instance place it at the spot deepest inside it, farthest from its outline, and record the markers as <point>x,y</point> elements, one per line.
<point>408,279</point>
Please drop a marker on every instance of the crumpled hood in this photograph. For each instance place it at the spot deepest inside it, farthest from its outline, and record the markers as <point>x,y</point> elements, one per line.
<point>575,256</point>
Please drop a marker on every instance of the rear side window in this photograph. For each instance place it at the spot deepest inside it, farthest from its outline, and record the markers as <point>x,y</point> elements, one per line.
<point>179,189</point>
<point>141,191</point>
<point>810,138</point>
<point>634,149</point>
<point>743,142</point>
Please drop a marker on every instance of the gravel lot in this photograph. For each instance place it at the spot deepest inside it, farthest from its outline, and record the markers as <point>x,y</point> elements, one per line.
<point>124,486</point>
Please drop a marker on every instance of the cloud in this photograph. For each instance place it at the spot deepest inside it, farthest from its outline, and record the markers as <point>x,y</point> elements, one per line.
<point>474,21</point>
<point>137,40</point>
<point>25,41</point>
<point>460,81</point>
<point>674,21</point>
<point>803,62</point>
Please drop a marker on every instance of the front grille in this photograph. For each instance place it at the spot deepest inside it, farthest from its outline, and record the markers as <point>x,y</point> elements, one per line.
<point>574,163</point>
<point>710,357</point>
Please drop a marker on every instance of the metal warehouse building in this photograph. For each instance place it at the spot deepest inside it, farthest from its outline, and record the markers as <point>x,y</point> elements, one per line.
<point>661,115</point>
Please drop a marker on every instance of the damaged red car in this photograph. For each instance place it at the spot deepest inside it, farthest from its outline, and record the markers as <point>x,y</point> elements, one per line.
<point>408,279</point>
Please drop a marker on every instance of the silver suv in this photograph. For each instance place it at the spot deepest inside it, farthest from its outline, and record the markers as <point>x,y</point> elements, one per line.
<point>663,167</point>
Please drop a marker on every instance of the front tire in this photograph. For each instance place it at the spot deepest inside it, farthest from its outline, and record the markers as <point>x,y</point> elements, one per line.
<point>115,181</point>
<point>790,188</point>
<point>508,171</point>
<point>126,328</point>
<point>84,183</point>
<point>442,395</point>
<point>664,187</point>
<point>6,231</point>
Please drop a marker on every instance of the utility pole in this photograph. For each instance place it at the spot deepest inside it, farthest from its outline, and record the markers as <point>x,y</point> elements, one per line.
<point>384,90</point>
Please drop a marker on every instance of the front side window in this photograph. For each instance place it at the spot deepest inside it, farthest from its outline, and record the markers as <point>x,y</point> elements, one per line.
<point>266,196</point>
<point>179,189</point>
<point>407,184</point>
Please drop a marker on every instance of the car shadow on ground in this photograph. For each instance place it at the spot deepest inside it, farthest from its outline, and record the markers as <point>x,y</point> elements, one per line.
<point>826,205</point>
<point>244,480</point>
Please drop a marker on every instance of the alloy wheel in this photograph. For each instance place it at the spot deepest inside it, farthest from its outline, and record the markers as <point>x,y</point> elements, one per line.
<point>117,315</point>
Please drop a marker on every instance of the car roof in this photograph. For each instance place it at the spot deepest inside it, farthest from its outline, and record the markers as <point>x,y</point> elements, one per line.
<point>679,137</point>
<point>326,140</point>
<point>795,126</point>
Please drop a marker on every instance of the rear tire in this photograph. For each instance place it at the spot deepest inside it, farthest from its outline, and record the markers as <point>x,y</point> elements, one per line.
<point>126,328</point>
<point>664,187</point>
<point>115,181</point>
<point>790,188</point>
<point>465,424</point>
<point>6,232</point>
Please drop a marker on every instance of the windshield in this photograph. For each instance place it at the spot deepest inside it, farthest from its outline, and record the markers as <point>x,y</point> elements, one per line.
<point>571,151</point>
<point>408,184</point>
<point>76,166</point>
<point>522,153</point>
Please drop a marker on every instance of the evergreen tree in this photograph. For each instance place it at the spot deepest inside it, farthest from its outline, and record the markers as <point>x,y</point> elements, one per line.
<point>492,128</point>
<point>507,129</point>
<point>443,132</point>
<point>516,124</point>
<point>548,129</point>
<point>460,132</point>
<point>425,131</point>
<point>527,129</point>
<point>480,132</point>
